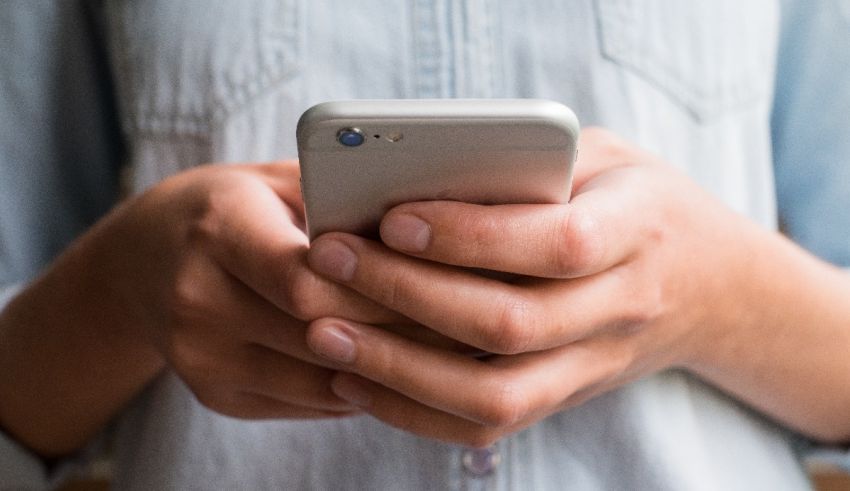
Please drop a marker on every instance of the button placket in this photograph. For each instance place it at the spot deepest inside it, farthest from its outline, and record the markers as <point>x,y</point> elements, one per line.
<point>432,49</point>
<point>473,23</point>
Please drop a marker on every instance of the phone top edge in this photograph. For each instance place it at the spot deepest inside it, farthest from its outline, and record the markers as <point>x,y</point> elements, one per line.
<point>541,110</point>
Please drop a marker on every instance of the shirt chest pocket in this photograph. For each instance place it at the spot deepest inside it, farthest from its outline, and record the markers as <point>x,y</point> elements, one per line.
<point>708,57</point>
<point>184,66</point>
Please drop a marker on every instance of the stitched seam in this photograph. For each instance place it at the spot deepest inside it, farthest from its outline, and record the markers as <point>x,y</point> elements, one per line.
<point>616,23</point>
<point>276,64</point>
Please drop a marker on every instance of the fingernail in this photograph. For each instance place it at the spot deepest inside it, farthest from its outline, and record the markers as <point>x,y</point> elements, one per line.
<point>334,259</point>
<point>347,387</point>
<point>333,343</point>
<point>406,232</point>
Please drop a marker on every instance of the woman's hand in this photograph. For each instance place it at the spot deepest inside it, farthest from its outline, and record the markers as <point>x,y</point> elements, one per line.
<point>216,259</point>
<point>205,273</point>
<point>641,271</point>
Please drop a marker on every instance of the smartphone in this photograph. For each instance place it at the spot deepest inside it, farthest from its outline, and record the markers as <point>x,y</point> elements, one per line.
<point>360,158</point>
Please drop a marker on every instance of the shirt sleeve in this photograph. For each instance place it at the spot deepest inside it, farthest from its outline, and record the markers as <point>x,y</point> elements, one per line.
<point>810,127</point>
<point>60,143</point>
<point>60,149</point>
<point>812,138</point>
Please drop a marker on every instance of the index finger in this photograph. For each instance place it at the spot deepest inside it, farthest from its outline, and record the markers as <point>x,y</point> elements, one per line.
<point>485,313</point>
<point>593,233</point>
<point>250,232</point>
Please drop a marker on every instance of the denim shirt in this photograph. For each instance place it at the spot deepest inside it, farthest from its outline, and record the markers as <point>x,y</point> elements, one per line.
<point>190,81</point>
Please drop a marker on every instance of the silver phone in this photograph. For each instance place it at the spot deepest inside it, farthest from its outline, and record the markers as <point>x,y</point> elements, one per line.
<point>360,158</point>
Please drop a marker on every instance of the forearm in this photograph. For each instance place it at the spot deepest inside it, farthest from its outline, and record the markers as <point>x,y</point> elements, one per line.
<point>788,354</point>
<point>69,358</point>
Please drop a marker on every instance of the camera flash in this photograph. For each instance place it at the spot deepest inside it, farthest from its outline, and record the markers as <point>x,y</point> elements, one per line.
<point>394,137</point>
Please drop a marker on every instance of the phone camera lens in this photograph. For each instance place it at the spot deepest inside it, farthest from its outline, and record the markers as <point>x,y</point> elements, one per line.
<point>350,137</point>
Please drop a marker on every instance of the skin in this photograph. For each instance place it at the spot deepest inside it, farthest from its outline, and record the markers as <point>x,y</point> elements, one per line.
<point>209,275</point>
<point>640,272</point>
<point>204,275</point>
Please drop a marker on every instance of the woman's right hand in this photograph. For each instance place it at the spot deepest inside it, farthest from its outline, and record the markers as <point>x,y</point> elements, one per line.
<point>212,264</point>
<point>204,274</point>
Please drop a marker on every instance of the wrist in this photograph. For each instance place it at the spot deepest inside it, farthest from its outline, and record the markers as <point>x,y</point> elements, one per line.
<point>780,343</point>
<point>71,358</point>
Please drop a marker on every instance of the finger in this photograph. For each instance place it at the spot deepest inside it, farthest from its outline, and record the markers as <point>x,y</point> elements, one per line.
<point>485,313</point>
<point>263,407</point>
<point>253,319</point>
<point>437,380</point>
<point>210,301</point>
<point>247,405</point>
<point>413,417</point>
<point>285,179</point>
<point>287,380</point>
<point>424,335</point>
<point>215,365</point>
<point>500,391</point>
<point>591,234</point>
<point>213,305</point>
<point>442,394</point>
<point>251,234</point>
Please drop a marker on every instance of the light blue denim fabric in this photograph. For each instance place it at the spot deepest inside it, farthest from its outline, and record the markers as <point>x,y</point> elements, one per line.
<point>191,81</point>
<point>59,140</point>
<point>812,127</point>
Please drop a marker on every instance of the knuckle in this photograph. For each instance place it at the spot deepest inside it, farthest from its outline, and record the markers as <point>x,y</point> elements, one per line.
<point>203,229</point>
<point>206,218</point>
<point>302,294</point>
<point>506,405</point>
<point>484,230</point>
<point>398,291</point>
<point>188,299</point>
<point>649,303</point>
<point>515,327</point>
<point>186,357</point>
<point>579,244</point>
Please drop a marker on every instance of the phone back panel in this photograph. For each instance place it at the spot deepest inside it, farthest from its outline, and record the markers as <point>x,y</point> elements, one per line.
<point>479,151</point>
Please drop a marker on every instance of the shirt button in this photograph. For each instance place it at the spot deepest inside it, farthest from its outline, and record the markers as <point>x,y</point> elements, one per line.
<point>480,462</point>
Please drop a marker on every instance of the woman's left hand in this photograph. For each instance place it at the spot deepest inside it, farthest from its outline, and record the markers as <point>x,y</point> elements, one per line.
<point>638,273</point>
